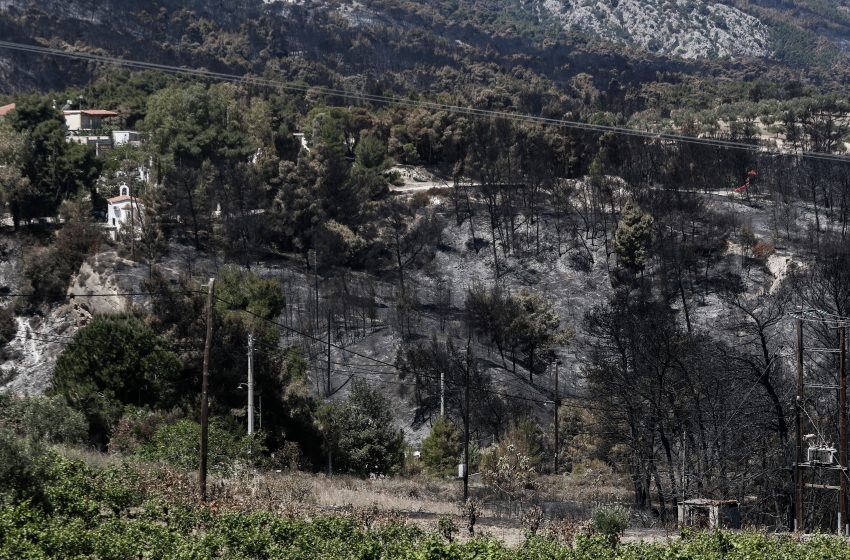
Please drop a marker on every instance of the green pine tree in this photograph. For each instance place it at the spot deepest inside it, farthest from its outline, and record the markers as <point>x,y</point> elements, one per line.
<point>632,238</point>
<point>441,449</point>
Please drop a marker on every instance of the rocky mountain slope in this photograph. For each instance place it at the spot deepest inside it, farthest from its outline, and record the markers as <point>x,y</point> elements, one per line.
<point>27,366</point>
<point>386,44</point>
<point>682,28</point>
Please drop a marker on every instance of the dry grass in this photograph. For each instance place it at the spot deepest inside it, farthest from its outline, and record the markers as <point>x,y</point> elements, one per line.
<point>597,483</point>
<point>415,495</point>
<point>412,494</point>
<point>419,500</point>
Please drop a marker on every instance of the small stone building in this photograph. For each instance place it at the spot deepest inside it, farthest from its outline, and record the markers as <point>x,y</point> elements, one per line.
<point>703,513</point>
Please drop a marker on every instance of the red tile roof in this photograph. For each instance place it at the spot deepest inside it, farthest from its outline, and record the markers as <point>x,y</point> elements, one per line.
<point>93,113</point>
<point>6,109</point>
<point>99,113</point>
<point>122,198</point>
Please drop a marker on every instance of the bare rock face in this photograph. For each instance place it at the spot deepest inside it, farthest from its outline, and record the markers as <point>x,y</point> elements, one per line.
<point>28,360</point>
<point>105,284</point>
<point>691,29</point>
<point>31,355</point>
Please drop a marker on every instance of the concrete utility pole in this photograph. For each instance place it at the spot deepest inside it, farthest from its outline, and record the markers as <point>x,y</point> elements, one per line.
<point>557,406</point>
<point>132,226</point>
<point>442,394</point>
<point>466,419</point>
<point>330,318</point>
<point>315,281</point>
<point>250,384</point>
<point>684,460</point>
<point>842,432</point>
<point>205,410</point>
<point>798,464</point>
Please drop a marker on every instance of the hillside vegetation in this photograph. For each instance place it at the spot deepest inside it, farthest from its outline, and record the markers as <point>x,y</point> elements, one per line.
<point>73,510</point>
<point>641,288</point>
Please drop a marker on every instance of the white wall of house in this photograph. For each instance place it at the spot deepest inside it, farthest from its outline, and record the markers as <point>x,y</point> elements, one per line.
<point>122,137</point>
<point>80,120</point>
<point>73,120</point>
<point>124,211</point>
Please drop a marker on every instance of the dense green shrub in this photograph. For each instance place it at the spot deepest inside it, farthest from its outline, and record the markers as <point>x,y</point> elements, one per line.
<point>47,271</point>
<point>42,419</point>
<point>116,360</point>
<point>361,434</point>
<point>178,444</point>
<point>17,467</point>
<point>610,522</point>
<point>137,427</point>
<point>105,514</point>
<point>441,449</point>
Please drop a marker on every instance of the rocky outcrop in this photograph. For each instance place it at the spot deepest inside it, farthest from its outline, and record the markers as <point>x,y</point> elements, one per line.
<point>682,28</point>
<point>29,358</point>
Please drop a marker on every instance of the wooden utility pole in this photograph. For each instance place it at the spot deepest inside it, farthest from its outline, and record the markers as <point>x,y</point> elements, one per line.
<point>205,407</point>
<point>557,406</point>
<point>466,419</point>
<point>798,463</point>
<point>842,432</point>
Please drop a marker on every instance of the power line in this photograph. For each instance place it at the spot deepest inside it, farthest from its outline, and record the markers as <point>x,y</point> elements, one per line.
<point>397,368</point>
<point>309,336</point>
<point>106,294</point>
<point>822,317</point>
<point>378,361</point>
<point>414,103</point>
<point>37,339</point>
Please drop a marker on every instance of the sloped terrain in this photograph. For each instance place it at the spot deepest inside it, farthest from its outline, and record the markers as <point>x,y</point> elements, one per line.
<point>683,28</point>
<point>414,46</point>
<point>572,290</point>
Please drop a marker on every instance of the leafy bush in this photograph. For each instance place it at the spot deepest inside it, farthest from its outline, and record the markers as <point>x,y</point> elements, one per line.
<point>72,488</point>
<point>114,361</point>
<point>610,522</point>
<point>360,433</point>
<point>86,514</point>
<point>509,474</point>
<point>18,478</point>
<point>395,178</point>
<point>137,427</point>
<point>48,271</point>
<point>43,419</point>
<point>178,445</point>
<point>409,154</point>
<point>446,527</point>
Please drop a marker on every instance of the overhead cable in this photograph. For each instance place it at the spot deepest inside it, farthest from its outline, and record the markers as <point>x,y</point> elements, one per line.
<point>417,103</point>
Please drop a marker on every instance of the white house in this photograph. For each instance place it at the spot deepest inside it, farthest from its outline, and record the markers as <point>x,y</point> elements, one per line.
<point>124,211</point>
<point>84,127</point>
<point>86,119</point>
